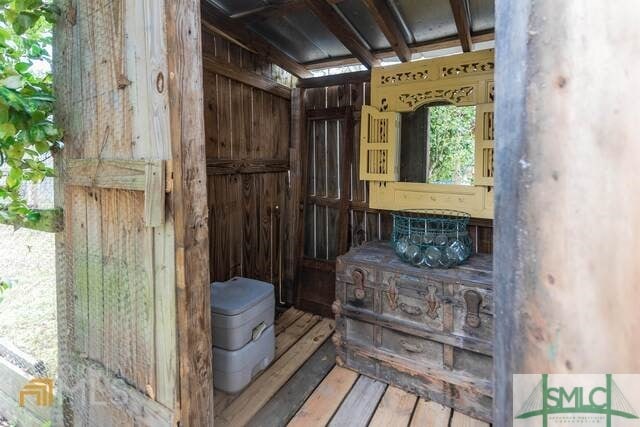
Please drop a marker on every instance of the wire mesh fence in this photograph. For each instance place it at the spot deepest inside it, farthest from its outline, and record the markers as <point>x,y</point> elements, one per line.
<point>28,318</point>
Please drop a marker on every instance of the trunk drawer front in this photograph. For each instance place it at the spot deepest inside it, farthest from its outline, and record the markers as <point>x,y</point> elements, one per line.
<point>415,299</point>
<point>412,348</point>
<point>359,332</point>
<point>476,364</point>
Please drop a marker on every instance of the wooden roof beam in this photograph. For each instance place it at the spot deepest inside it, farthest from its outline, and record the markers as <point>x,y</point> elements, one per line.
<point>461,15</point>
<point>421,47</point>
<point>343,32</point>
<point>215,20</point>
<point>384,18</point>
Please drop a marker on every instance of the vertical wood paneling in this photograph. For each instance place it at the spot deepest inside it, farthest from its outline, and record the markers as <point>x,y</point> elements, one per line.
<point>211,114</point>
<point>251,237</point>
<point>257,134</point>
<point>225,123</point>
<point>267,147</point>
<point>95,263</point>
<point>165,297</point>
<point>245,128</point>
<point>77,204</point>
<point>332,148</point>
<point>246,210</point>
<point>238,143</point>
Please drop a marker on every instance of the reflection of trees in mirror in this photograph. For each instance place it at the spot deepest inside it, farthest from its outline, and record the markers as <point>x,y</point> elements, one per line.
<point>451,144</point>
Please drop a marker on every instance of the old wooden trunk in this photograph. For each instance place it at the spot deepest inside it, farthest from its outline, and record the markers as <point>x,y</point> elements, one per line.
<point>427,331</point>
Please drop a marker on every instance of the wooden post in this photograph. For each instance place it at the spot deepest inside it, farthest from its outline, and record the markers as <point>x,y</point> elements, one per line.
<point>189,207</point>
<point>567,210</point>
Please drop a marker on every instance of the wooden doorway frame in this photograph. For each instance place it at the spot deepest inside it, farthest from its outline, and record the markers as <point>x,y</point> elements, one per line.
<point>189,205</point>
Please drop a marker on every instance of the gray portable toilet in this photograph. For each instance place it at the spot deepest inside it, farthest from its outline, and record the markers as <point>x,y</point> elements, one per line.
<point>242,315</point>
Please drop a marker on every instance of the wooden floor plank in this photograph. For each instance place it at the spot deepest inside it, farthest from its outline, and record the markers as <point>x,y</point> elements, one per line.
<point>293,333</point>
<point>461,420</point>
<point>358,407</point>
<point>395,409</point>
<point>325,400</point>
<point>221,400</point>
<point>286,402</point>
<point>287,318</point>
<point>260,391</point>
<point>430,414</point>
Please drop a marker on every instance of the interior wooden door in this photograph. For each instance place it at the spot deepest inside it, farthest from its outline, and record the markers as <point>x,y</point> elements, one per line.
<point>325,218</point>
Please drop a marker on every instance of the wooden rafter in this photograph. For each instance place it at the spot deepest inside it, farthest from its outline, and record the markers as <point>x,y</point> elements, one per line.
<point>343,32</point>
<point>384,18</point>
<point>428,46</point>
<point>460,10</point>
<point>217,21</point>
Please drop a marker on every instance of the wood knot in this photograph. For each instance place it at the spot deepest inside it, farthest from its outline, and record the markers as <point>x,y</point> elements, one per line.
<point>122,81</point>
<point>160,82</point>
<point>561,81</point>
<point>72,15</point>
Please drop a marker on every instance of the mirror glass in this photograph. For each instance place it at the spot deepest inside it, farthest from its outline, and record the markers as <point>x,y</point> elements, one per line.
<point>437,145</point>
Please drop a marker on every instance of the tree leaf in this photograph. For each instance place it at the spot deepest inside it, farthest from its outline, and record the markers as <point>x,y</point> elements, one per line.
<point>12,82</point>
<point>6,130</point>
<point>22,67</point>
<point>24,21</point>
<point>42,147</point>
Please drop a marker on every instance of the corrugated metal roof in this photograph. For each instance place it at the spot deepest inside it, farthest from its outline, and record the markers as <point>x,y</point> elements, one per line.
<point>427,19</point>
<point>482,14</point>
<point>358,14</point>
<point>232,7</point>
<point>301,35</point>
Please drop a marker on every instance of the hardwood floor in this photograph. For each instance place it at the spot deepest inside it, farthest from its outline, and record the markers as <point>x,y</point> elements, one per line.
<point>303,387</point>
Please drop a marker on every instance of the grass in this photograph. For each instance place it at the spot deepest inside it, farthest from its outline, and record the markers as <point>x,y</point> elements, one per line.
<point>28,307</point>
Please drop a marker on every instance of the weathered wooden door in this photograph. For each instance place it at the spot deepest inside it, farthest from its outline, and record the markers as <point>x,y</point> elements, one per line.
<point>325,219</point>
<point>126,281</point>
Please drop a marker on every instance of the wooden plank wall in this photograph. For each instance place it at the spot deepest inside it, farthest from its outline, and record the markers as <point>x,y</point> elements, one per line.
<point>247,145</point>
<point>367,224</point>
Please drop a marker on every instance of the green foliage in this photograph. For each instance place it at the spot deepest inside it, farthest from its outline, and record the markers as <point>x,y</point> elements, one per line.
<point>28,133</point>
<point>3,287</point>
<point>451,144</point>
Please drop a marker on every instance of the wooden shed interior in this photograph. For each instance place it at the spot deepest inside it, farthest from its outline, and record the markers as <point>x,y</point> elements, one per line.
<point>275,140</point>
<point>286,195</point>
<point>278,211</point>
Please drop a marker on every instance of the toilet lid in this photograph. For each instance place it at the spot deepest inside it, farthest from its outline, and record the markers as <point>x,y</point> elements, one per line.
<point>238,295</point>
